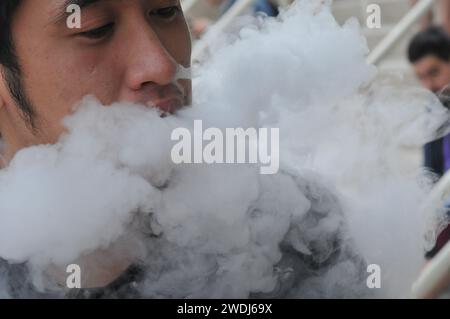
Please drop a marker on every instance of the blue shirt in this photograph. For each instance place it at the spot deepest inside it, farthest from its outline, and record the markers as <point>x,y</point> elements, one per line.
<point>258,6</point>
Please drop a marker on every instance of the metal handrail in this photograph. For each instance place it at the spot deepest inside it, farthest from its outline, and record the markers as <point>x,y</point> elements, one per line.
<point>375,56</point>
<point>434,278</point>
<point>413,15</point>
<point>236,10</point>
<point>429,283</point>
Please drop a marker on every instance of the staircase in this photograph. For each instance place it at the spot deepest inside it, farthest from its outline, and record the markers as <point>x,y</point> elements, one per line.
<point>395,61</point>
<point>391,13</point>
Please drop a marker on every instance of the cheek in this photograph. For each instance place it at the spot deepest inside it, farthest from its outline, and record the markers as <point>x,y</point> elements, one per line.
<point>447,76</point>
<point>64,84</point>
<point>50,88</point>
<point>55,88</point>
<point>96,74</point>
<point>423,82</point>
<point>443,79</point>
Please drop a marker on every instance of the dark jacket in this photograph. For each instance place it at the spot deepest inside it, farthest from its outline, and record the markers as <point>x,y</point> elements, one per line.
<point>434,157</point>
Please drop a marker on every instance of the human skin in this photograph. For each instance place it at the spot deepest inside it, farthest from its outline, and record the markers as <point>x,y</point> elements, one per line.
<point>126,50</point>
<point>432,72</point>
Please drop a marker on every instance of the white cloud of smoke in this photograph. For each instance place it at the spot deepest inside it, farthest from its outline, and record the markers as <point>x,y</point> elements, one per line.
<point>340,201</point>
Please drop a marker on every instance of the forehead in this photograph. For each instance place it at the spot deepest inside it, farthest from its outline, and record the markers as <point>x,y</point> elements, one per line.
<point>43,10</point>
<point>47,6</point>
<point>42,15</point>
<point>430,61</point>
<point>57,8</point>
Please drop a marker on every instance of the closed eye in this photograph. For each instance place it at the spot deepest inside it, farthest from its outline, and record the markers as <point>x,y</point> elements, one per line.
<point>166,13</point>
<point>98,33</point>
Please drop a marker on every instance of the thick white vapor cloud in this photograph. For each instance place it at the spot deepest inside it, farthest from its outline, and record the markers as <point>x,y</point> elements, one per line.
<point>341,200</point>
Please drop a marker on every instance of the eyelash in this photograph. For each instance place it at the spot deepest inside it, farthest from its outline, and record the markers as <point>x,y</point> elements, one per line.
<point>98,33</point>
<point>167,13</point>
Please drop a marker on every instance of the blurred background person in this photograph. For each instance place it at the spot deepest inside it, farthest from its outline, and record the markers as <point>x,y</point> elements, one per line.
<point>429,54</point>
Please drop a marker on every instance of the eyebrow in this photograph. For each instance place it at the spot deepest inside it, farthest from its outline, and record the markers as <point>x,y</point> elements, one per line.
<point>62,13</point>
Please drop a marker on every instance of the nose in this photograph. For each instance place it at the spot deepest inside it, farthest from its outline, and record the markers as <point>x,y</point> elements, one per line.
<point>147,61</point>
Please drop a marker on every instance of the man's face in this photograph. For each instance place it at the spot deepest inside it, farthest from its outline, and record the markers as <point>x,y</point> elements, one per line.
<point>126,50</point>
<point>433,72</point>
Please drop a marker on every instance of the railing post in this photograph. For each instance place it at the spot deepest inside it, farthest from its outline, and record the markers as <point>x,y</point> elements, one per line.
<point>399,30</point>
<point>434,278</point>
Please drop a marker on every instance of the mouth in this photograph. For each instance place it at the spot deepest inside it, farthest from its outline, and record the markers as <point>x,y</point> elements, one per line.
<point>168,105</point>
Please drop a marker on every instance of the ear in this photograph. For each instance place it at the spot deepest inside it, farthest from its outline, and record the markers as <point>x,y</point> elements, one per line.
<point>5,98</point>
<point>3,162</point>
<point>4,91</point>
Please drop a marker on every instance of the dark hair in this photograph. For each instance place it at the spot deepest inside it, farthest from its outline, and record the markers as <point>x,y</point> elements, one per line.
<point>9,61</point>
<point>432,41</point>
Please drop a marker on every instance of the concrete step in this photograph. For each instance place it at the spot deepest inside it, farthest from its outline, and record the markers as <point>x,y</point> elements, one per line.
<point>374,36</point>
<point>391,10</point>
<point>391,13</point>
<point>201,8</point>
<point>399,66</point>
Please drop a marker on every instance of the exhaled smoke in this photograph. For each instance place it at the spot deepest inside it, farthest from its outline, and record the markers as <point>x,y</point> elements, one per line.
<point>341,200</point>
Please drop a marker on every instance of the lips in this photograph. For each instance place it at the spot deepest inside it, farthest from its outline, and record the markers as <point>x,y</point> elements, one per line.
<point>168,105</point>
<point>168,99</point>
